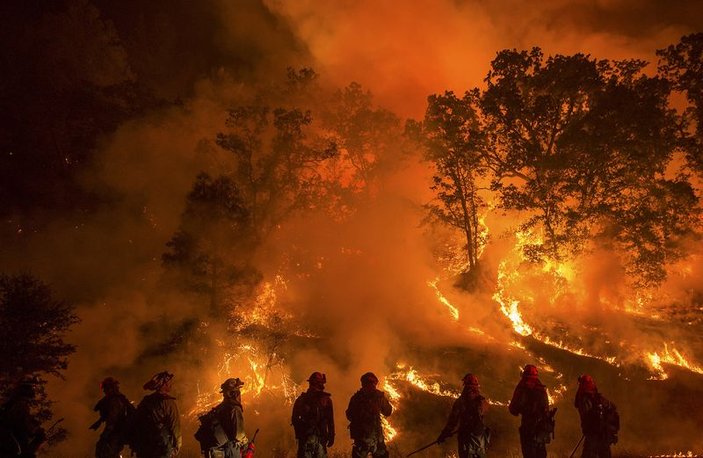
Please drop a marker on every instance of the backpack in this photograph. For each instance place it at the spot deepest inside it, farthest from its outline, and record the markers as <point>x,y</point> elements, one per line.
<point>472,420</point>
<point>545,426</point>
<point>126,420</point>
<point>306,416</point>
<point>609,420</point>
<point>210,433</point>
<point>142,434</point>
<point>310,415</point>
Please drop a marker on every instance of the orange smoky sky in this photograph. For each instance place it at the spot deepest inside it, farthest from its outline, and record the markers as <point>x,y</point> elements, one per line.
<point>404,51</point>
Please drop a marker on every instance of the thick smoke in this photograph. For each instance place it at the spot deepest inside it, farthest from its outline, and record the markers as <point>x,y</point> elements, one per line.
<point>405,53</point>
<point>367,304</point>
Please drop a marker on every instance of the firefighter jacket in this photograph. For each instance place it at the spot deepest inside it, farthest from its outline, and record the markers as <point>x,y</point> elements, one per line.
<point>529,400</point>
<point>313,416</point>
<point>467,413</point>
<point>230,414</point>
<point>159,426</point>
<point>364,414</point>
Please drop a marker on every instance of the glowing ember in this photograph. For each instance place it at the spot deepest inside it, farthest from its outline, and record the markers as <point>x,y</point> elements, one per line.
<point>688,454</point>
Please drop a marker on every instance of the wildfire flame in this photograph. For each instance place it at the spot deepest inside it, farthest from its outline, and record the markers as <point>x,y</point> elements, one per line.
<point>564,274</point>
<point>389,432</point>
<point>556,394</point>
<point>254,369</point>
<point>688,454</point>
<point>673,357</point>
<point>411,376</point>
<point>261,368</point>
<point>515,317</point>
<point>452,310</point>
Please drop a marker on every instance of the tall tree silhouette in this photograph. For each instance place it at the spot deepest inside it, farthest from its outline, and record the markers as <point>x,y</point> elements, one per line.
<point>583,146</point>
<point>453,138</point>
<point>580,147</point>
<point>682,64</point>
<point>367,137</point>
<point>33,325</point>
<point>277,155</point>
<point>209,253</point>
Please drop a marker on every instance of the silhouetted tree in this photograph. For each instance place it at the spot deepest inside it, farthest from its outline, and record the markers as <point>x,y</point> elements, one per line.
<point>453,138</point>
<point>33,325</point>
<point>210,251</point>
<point>581,147</point>
<point>367,138</point>
<point>277,156</point>
<point>275,172</point>
<point>682,64</point>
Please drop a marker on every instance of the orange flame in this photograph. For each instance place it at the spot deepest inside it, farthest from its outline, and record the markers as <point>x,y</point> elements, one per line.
<point>672,357</point>
<point>260,369</point>
<point>452,310</point>
<point>389,432</point>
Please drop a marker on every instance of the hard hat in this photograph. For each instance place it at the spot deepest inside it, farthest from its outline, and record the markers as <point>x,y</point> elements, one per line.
<point>369,377</point>
<point>158,381</point>
<point>470,380</point>
<point>317,377</point>
<point>231,384</point>
<point>529,371</point>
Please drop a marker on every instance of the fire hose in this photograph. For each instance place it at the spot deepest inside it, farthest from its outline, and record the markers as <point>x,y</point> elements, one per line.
<point>424,447</point>
<point>577,447</point>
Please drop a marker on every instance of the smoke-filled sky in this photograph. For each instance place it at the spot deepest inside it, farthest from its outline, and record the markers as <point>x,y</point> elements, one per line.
<point>404,53</point>
<point>367,302</point>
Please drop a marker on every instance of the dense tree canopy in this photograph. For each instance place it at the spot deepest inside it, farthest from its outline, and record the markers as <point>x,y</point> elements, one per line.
<point>581,147</point>
<point>33,325</point>
<point>209,251</point>
<point>453,137</point>
<point>682,64</point>
<point>294,147</point>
